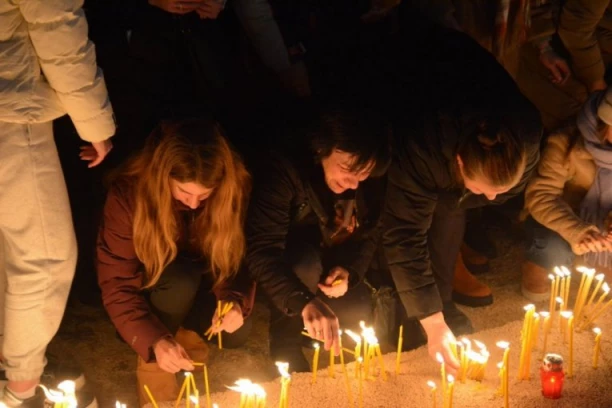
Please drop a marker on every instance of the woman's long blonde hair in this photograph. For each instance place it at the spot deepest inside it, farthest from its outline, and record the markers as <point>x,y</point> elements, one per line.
<point>188,151</point>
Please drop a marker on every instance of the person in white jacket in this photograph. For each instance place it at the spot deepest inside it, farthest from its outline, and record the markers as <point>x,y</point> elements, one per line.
<point>47,69</point>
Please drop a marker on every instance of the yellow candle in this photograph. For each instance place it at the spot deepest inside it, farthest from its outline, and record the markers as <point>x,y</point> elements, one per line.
<point>568,281</point>
<point>381,362</point>
<point>562,292</point>
<point>195,398</point>
<point>585,290</point>
<point>433,387</point>
<point>182,391</point>
<point>188,390</point>
<point>505,365</point>
<point>467,348</point>
<point>546,327</point>
<point>442,371</point>
<point>400,339</point>
<point>551,303</point>
<point>570,328</point>
<point>451,388</point>
<point>315,361</point>
<point>600,280</point>
<point>581,270</point>
<point>360,380</point>
<point>525,359</point>
<point>219,339</point>
<point>331,369</point>
<point>597,332</point>
<point>598,313</point>
<point>206,386</point>
<point>148,391</point>
<point>283,369</point>
<point>347,382</point>
<point>535,330</point>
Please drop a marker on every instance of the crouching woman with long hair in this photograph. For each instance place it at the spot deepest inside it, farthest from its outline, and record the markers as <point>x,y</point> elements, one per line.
<point>170,247</point>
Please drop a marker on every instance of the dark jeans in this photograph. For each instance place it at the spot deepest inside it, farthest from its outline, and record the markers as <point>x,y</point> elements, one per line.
<point>545,247</point>
<point>311,265</point>
<point>444,240</point>
<point>183,297</point>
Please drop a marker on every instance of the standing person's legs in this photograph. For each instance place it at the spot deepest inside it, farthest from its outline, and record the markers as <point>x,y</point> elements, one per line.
<point>285,331</point>
<point>39,249</point>
<point>444,242</point>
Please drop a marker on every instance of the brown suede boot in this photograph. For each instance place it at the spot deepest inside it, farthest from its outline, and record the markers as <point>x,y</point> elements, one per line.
<point>474,261</point>
<point>535,285</point>
<point>193,344</point>
<point>467,290</point>
<point>162,384</point>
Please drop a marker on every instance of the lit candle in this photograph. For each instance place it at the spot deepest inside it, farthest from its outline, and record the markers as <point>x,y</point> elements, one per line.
<point>283,369</point>
<point>433,387</point>
<point>148,391</point>
<point>525,357</point>
<point>357,339</point>
<point>400,339</point>
<point>590,274</point>
<point>562,277</point>
<point>597,332</point>
<point>570,327</point>
<point>504,345</point>
<point>581,270</point>
<point>360,380</point>
<point>195,398</point>
<point>551,302</point>
<point>119,405</point>
<point>568,280</point>
<point>546,327</point>
<point>347,382</point>
<point>442,371</point>
<point>251,395</point>
<point>188,390</point>
<point>315,361</point>
<point>535,330</point>
<point>451,388</point>
<point>467,349</point>
<point>559,300</point>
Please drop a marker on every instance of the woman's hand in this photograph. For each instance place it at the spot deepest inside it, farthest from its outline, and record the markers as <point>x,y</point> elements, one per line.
<point>439,339</point>
<point>232,321</point>
<point>171,356</point>
<point>96,153</point>
<point>322,324</point>
<point>594,242</point>
<point>336,283</point>
<point>177,6</point>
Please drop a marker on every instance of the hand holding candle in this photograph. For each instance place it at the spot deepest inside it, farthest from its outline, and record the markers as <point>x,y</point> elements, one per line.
<point>336,283</point>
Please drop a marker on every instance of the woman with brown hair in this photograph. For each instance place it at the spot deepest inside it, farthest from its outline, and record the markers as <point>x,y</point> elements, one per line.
<point>170,247</point>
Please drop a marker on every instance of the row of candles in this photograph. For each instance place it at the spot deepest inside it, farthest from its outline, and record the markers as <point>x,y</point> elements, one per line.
<point>473,358</point>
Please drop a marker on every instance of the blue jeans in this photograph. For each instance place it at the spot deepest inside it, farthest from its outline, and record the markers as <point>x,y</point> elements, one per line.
<point>545,247</point>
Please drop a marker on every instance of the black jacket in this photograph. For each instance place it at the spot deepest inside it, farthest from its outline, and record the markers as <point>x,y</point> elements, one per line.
<point>289,199</point>
<point>465,83</point>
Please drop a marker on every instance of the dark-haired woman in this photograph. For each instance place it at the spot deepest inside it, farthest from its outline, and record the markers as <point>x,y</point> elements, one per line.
<point>311,225</point>
<point>170,247</point>
<point>570,198</point>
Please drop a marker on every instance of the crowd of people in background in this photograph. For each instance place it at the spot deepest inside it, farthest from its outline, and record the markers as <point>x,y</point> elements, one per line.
<point>310,154</point>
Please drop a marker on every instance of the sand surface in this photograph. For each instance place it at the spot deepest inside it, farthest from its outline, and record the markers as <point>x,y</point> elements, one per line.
<point>588,387</point>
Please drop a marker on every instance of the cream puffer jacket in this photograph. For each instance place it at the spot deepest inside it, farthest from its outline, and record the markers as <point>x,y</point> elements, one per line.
<point>48,67</point>
<point>553,196</point>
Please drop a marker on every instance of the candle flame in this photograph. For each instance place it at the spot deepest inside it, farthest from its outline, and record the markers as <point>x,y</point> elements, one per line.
<point>244,386</point>
<point>544,314</point>
<point>566,271</point>
<point>500,364</point>
<point>431,384</point>
<point>551,276</point>
<point>193,399</point>
<point>529,307</point>
<point>439,358</point>
<point>596,330</point>
<point>584,269</point>
<point>559,300</point>
<point>606,288</point>
<point>64,396</point>
<point>360,359</point>
<point>600,277</point>
<point>356,338</point>
<point>557,271</point>
<point>480,345</point>
<point>315,345</point>
<point>215,405</point>
<point>283,369</point>
<point>187,373</point>
<point>502,344</point>
<point>450,379</point>
<point>567,314</point>
<point>466,341</point>
<point>117,405</point>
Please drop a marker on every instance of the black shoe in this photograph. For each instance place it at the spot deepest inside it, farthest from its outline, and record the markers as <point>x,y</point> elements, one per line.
<point>456,320</point>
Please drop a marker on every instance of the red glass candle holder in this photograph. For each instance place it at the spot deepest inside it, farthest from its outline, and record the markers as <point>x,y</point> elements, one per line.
<point>552,376</point>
